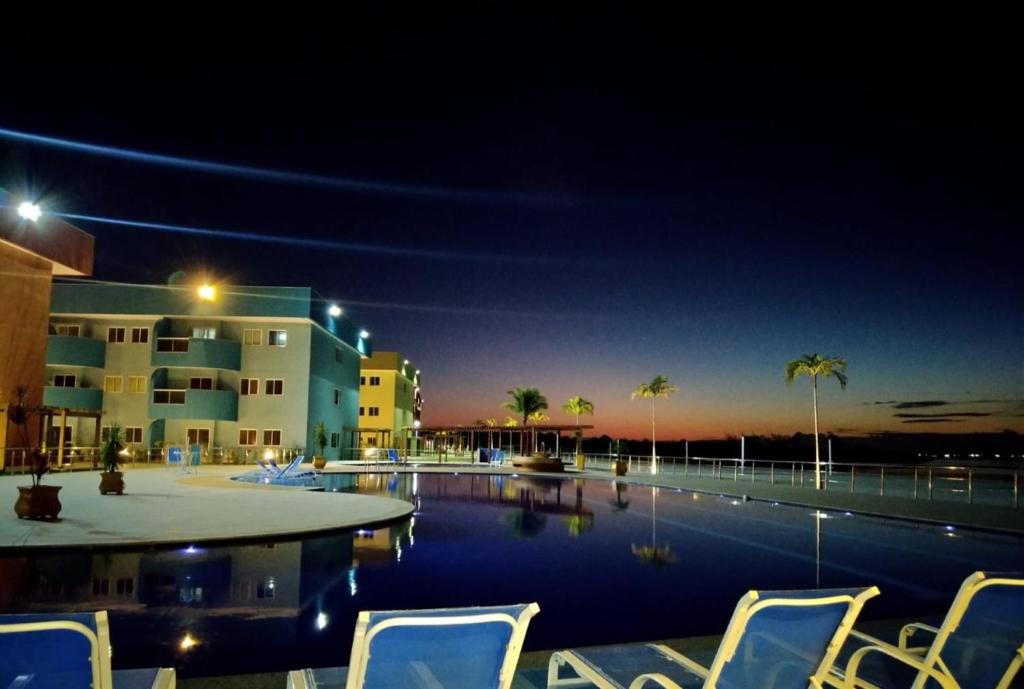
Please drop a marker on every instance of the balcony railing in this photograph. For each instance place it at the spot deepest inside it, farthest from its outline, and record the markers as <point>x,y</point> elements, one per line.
<point>197,353</point>
<point>82,399</point>
<point>65,350</point>
<point>180,403</point>
<point>172,344</point>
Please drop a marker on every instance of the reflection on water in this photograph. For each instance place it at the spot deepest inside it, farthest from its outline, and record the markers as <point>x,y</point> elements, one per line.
<point>603,559</point>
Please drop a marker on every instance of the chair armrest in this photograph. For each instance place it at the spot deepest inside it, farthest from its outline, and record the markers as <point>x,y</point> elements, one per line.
<point>944,680</point>
<point>910,629</point>
<point>657,678</point>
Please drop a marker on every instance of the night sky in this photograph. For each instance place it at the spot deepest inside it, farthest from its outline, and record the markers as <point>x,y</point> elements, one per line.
<point>581,202</point>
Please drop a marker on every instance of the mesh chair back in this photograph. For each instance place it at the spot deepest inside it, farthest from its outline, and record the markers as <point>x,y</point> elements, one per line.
<point>47,658</point>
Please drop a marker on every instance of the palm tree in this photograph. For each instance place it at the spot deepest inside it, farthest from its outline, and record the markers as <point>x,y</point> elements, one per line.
<point>510,423</point>
<point>535,418</point>
<point>813,365</point>
<point>658,387</point>
<point>491,422</point>
<point>577,406</point>
<point>525,401</point>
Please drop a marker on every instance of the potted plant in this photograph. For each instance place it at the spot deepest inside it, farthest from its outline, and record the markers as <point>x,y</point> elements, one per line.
<point>111,479</point>
<point>320,441</point>
<point>36,501</point>
<point>619,465</point>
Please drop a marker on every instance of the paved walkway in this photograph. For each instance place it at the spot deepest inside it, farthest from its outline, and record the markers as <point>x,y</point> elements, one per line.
<point>165,507</point>
<point>944,512</point>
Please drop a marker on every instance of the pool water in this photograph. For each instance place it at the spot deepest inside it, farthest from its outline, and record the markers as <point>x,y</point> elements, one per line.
<point>607,562</point>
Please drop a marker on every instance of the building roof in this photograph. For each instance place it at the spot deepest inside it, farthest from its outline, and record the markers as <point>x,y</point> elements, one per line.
<point>68,249</point>
<point>390,361</point>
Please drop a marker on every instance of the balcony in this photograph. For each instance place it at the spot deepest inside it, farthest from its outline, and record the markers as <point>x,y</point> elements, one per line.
<point>178,403</point>
<point>80,399</point>
<point>62,350</point>
<point>191,352</point>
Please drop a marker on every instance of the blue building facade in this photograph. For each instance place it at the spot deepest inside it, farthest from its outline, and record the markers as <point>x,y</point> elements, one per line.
<point>245,371</point>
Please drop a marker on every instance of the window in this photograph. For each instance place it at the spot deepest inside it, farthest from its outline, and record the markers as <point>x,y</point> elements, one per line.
<point>335,439</point>
<point>272,438</point>
<point>64,380</point>
<point>338,356</point>
<point>198,436</point>
<point>105,434</point>
<point>277,338</point>
<point>115,335</point>
<point>69,330</point>
<point>168,397</point>
<point>362,411</point>
<point>200,383</point>
<point>274,386</point>
<point>249,386</point>
<point>137,384</point>
<point>252,336</point>
<point>203,333</point>
<point>140,335</point>
<point>374,380</point>
<point>374,411</point>
<point>113,384</point>
<point>133,434</point>
<point>172,344</point>
<point>337,397</point>
<point>125,586</point>
<point>362,380</point>
<point>247,436</point>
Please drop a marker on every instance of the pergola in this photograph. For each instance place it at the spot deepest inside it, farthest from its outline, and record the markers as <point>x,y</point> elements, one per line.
<point>460,437</point>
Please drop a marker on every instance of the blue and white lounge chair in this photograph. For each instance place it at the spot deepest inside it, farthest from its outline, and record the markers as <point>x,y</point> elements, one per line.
<point>497,456</point>
<point>775,640</point>
<point>455,648</point>
<point>67,651</point>
<point>394,457</point>
<point>980,644</point>
<point>292,467</point>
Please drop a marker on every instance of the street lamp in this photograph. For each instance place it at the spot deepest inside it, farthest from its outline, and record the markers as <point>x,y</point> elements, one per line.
<point>363,334</point>
<point>334,311</point>
<point>29,211</point>
<point>207,292</point>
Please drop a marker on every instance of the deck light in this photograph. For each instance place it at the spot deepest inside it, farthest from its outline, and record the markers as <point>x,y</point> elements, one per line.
<point>363,334</point>
<point>334,311</point>
<point>29,211</point>
<point>207,292</point>
<point>187,642</point>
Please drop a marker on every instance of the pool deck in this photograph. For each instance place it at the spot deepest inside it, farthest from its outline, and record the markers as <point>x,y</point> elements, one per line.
<point>164,507</point>
<point>944,512</point>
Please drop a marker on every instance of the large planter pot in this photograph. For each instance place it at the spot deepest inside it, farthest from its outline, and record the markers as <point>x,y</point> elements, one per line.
<point>581,462</point>
<point>111,482</point>
<point>319,463</point>
<point>38,502</point>
<point>620,467</point>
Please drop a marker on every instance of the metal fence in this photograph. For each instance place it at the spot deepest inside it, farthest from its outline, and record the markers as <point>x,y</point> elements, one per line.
<point>17,460</point>
<point>970,485</point>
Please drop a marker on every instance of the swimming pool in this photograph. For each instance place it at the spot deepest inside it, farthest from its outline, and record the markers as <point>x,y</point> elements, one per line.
<point>607,562</point>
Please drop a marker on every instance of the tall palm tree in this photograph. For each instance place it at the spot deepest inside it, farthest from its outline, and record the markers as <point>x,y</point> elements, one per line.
<point>658,387</point>
<point>510,423</point>
<point>813,366</point>
<point>535,418</point>
<point>491,422</point>
<point>577,406</point>
<point>525,401</point>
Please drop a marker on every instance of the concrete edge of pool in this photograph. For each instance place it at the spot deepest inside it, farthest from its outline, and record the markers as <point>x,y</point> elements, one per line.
<point>164,508</point>
<point>1006,520</point>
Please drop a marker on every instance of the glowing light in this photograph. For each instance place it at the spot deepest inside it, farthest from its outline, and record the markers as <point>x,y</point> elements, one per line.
<point>29,211</point>
<point>322,620</point>
<point>353,587</point>
<point>268,454</point>
<point>405,363</point>
<point>363,334</point>
<point>334,311</point>
<point>207,292</point>
<point>188,642</point>
<point>191,550</point>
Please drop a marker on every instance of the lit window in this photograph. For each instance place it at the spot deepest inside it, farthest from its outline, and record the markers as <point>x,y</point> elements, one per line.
<point>113,384</point>
<point>204,333</point>
<point>274,386</point>
<point>115,335</point>
<point>247,436</point>
<point>140,335</point>
<point>277,338</point>
<point>250,386</point>
<point>252,336</point>
<point>272,438</point>
<point>137,384</point>
<point>198,436</point>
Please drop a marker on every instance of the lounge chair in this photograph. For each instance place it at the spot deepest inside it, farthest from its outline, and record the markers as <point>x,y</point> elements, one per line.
<point>394,457</point>
<point>67,650</point>
<point>268,470</point>
<point>292,467</point>
<point>454,648</point>
<point>497,457</point>
<point>775,640</point>
<point>980,644</point>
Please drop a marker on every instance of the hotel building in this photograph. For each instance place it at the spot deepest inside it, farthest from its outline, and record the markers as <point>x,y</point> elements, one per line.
<point>239,370</point>
<point>390,402</point>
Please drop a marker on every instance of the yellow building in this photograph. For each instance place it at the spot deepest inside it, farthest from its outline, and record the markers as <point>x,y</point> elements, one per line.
<point>389,400</point>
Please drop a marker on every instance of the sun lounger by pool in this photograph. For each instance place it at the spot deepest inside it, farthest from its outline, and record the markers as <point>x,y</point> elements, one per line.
<point>67,651</point>
<point>394,457</point>
<point>455,648</point>
<point>775,640</point>
<point>497,457</point>
<point>980,644</point>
